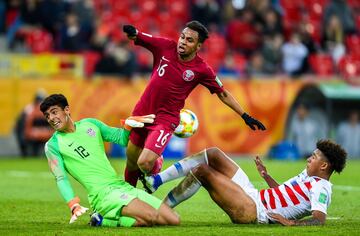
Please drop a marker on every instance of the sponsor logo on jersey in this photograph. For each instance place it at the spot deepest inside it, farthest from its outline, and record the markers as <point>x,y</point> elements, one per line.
<point>188,75</point>
<point>322,198</point>
<point>163,58</point>
<point>91,132</point>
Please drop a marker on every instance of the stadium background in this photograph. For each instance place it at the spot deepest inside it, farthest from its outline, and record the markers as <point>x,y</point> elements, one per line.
<point>77,48</point>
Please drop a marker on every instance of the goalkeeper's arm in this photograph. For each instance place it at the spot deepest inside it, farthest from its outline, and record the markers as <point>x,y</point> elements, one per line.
<point>137,121</point>
<point>56,165</point>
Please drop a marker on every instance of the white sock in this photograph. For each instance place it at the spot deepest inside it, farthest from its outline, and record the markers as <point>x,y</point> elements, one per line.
<point>184,190</point>
<point>183,167</point>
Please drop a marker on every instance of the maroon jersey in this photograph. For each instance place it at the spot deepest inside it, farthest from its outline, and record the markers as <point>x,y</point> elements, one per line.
<point>171,80</point>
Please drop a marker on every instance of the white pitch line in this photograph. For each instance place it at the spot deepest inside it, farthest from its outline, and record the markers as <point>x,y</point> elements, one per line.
<point>347,187</point>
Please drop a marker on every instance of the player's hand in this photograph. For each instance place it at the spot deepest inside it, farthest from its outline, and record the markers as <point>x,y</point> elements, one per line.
<point>252,123</point>
<point>282,220</point>
<point>76,209</point>
<point>137,121</point>
<point>260,167</point>
<point>130,30</point>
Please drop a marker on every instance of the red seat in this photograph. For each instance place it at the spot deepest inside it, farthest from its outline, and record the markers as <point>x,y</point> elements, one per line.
<point>349,66</point>
<point>39,41</point>
<point>240,61</point>
<point>290,4</point>
<point>321,64</point>
<point>216,45</point>
<point>315,8</point>
<point>178,9</point>
<point>148,8</point>
<point>144,58</point>
<point>122,7</point>
<point>313,27</point>
<point>354,4</point>
<point>248,39</point>
<point>353,44</point>
<point>90,60</point>
<point>358,22</point>
<point>213,62</point>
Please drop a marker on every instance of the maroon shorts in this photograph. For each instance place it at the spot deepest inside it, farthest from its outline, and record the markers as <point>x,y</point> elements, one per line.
<point>154,137</point>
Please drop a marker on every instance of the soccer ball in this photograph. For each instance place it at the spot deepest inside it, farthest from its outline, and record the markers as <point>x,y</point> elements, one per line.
<point>189,123</point>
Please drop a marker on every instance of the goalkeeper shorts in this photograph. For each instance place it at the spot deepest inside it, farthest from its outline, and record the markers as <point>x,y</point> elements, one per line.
<point>109,204</point>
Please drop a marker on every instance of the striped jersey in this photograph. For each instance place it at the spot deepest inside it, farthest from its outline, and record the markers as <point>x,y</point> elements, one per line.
<point>298,196</point>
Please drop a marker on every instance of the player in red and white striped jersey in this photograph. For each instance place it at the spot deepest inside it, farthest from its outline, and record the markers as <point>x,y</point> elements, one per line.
<point>307,194</point>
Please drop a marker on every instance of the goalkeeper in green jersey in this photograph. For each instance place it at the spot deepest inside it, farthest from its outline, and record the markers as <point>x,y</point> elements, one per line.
<point>77,148</point>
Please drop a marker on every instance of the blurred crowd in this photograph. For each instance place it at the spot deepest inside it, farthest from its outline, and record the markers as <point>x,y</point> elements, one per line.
<point>248,38</point>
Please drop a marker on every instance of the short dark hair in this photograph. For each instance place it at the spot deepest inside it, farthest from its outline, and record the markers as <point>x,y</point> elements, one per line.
<point>53,100</point>
<point>200,28</point>
<point>334,153</point>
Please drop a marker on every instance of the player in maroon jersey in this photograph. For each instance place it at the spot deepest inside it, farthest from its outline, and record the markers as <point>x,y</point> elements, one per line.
<point>177,70</point>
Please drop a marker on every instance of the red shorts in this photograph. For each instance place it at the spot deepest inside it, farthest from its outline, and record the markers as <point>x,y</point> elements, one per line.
<point>154,137</point>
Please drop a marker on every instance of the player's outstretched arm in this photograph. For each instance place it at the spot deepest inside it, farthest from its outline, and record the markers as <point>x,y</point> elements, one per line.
<point>318,218</point>
<point>252,122</point>
<point>264,174</point>
<point>130,31</point>
<point>231,102</point>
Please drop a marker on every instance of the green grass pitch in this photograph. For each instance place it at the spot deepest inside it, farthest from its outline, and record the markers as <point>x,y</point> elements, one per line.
<point>31,205</point>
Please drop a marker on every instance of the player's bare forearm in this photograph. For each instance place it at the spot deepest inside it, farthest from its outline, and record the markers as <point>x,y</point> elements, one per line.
<point>230,101</point>
<point>317,219</point>
<point>308,222</point>
<point>264,174</point>
<point>270,181</point>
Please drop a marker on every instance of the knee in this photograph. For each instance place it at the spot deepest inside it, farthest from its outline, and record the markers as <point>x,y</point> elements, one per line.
<point>202,172</point>
<point>150,217</point>
<point>174,220</point>
<point>145,165</point>
<point>213,154</point>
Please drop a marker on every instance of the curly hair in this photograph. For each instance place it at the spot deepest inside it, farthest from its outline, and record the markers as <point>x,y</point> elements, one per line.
<point>200,28</point>
<point>334,153</point>
<point>53,100</point>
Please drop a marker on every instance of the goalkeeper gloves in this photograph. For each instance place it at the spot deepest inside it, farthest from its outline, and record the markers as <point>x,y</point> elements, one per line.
<point>130,30</point>
<point>137,121</point>
<point>76,209</point>
<point>252,123</point>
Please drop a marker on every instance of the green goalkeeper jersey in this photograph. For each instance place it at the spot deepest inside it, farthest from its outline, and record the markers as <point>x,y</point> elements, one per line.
<point>82,155</point>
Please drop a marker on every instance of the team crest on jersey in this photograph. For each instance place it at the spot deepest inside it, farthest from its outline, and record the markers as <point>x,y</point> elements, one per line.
<point>124,196</point>
<point>91,132</point>
<point>322,198</point>
<point>188,75</point>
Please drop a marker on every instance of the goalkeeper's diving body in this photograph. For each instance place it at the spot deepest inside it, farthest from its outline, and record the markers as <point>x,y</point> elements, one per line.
<point>77,148</point>
<point>307,194</point>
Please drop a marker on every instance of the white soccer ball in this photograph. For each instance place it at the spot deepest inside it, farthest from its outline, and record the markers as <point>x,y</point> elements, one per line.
<point>188,125</point>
